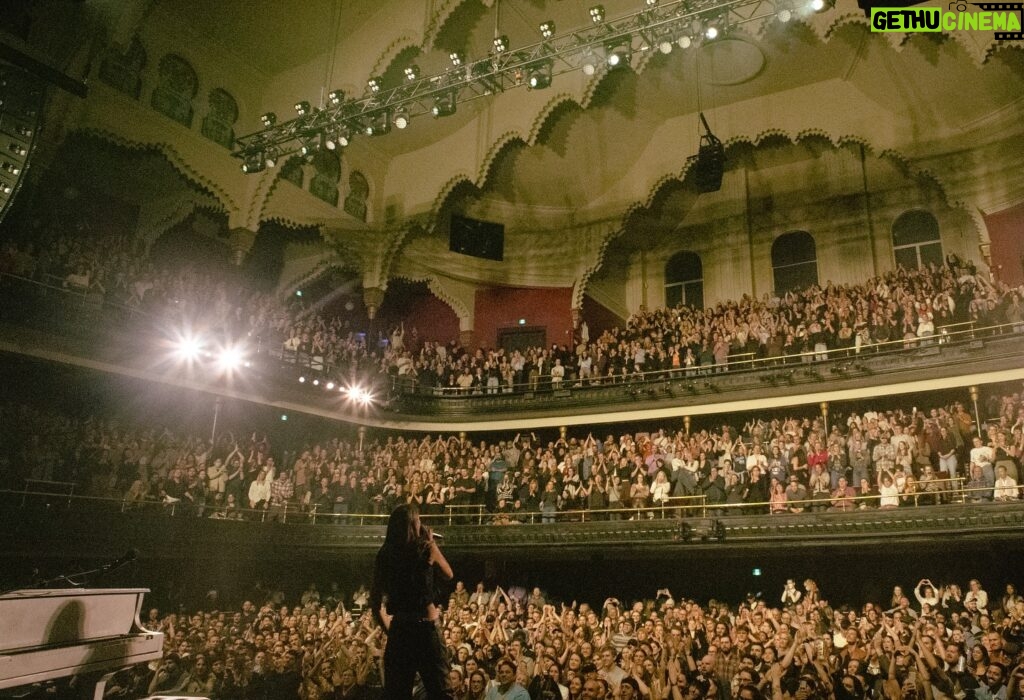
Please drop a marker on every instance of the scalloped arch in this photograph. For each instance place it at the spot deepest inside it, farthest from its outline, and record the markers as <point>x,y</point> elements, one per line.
<point>837,141</point>
<point>547,111</point>
<point>979,51</point>
<point>392,51</point>
<point>446,192</point>
<point>437,289</point>
<point>176,160</point>
<point>438,20</point>
<point>505,140</point>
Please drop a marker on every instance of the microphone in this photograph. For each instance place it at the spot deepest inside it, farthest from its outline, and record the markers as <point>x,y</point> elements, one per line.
<point>129,556</point>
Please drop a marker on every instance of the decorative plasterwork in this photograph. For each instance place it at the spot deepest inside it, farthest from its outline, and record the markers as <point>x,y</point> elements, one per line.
<point>444,194</point>
<point>438,18</point>
<point>439,290</point>
<point>177,161</point>
<point>392,51</point>
<point>505,140</point>
<point>540,121</point>
<point>978,45</point>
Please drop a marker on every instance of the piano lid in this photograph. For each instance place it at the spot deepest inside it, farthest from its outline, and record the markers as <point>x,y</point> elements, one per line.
<point>48,618</point>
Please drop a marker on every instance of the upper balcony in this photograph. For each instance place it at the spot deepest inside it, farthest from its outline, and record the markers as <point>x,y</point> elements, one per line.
<point>48,320</point>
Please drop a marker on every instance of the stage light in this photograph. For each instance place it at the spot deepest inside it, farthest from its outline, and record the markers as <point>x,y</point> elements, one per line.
<point>17,149</point>
<point>270,160</point>
<point>380,124</point>
<point>589,64</point>
<point>269,119</point>
<point>373,84</point>
<point>597,14</point>
<point>316,382</point>
<point>785,14</point>
<point>253,163</point>
<point>401,119</point>
<point>330,386</point>
<point>665,46</point>
<point>359,395</point>
<point>540,76</point>
<point>302,108</point>
<point>444,104</point>
<point>188,348</point>
<point>501,43</point>
<point>302,380</point>
<point>684,42</point>
<point>411,72</point>
<point>310,145</point>
<point>230,358</point>
<point>618,56</point>
<point>711,32</point>
<point>336,97</point>
<point>456,58</point>
<point>547,29</point>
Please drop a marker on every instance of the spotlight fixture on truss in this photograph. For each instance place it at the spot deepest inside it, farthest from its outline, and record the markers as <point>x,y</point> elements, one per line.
<point>603,41</point>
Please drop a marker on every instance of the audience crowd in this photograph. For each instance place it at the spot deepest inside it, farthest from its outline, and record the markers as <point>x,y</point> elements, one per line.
<point>926,641</point>
<point>777,464</point>
<point>900,309</point>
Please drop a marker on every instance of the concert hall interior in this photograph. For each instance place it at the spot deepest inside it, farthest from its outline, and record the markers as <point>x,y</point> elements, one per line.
<point>695,295</point>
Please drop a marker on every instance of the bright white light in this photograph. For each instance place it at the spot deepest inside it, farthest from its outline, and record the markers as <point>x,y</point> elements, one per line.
<point>817,5</point>
<point>589,68</point>
<point>316,382</point>
<point>614,59</point>
<point>330,386</point>
<point>785,16</point>
<point>712,32</point>
<point>188,348</point>
<point>302,380</point>
<point>665,47</point>
<point>684,42</point>
<point>229,359</point>
<point>359,395</point>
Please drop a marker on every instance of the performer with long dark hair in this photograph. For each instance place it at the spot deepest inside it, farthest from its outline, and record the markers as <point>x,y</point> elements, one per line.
<point>403,581</point>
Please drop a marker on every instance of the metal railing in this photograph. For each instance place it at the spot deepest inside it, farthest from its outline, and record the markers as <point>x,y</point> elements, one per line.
<point>935,492</point>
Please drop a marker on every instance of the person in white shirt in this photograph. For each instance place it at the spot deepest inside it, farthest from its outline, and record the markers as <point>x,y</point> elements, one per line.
<point>1006,486</point>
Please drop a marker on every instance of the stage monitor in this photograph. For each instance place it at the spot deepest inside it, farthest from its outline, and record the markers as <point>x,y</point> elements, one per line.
<point>481,239</point>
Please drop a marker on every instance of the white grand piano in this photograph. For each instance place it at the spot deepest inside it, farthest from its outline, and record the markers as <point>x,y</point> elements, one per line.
<point>49,634</point>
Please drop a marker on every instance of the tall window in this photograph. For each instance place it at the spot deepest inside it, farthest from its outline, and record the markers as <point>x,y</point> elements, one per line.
<point>326,174</point>
<point>218,125</point>
<point>794,261</point>
<point>915,240</point>
<point>177,87</point>
<point>684,280</point>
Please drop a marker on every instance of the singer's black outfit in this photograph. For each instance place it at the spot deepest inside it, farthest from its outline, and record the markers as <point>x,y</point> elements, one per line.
<point>405,578</point>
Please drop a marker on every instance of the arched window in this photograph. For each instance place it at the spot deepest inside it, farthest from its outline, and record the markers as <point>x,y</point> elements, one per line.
<point>324,184</point>
<point>218,124</point>
<point>178,85</point>
<point>123,71</point>
<point>794,262</point>
<point>684,281</point>
<point>915,240</point>
<point>358,193</point>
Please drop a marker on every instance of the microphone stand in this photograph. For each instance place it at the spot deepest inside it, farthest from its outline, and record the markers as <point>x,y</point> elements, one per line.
<point>69,579</point>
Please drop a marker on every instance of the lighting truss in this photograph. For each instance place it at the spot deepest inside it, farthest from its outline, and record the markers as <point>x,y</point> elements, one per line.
<point>465,81</point>
<point>22,98</point>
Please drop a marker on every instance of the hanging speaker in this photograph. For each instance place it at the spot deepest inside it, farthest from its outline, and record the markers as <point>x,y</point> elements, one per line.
<point>709,168</point>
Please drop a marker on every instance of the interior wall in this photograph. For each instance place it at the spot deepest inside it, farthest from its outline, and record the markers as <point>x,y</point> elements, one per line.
<point>433,320</point>
<point>503,307</point>
<point>1005,233</point>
